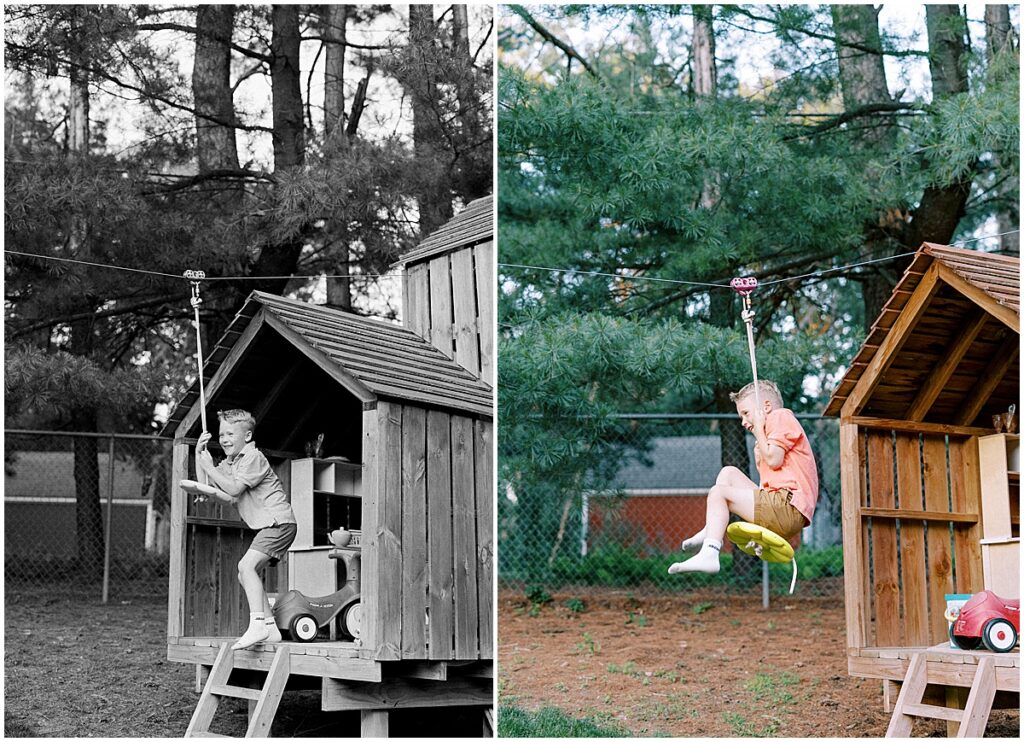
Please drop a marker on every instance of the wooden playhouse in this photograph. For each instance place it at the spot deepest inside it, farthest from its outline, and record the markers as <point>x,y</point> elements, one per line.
<point>930,490</point>
<point>406,464</point>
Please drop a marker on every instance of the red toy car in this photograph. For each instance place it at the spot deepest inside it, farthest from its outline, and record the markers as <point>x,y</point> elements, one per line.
<point>987,619</point>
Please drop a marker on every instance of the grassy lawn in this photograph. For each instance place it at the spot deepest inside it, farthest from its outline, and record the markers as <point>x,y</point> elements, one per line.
<point>551,722</point>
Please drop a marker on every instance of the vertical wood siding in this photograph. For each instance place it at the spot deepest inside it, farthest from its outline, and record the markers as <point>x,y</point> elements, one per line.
<point>449,301</point>
<point>439,535</point>
<point>430,597</point>
<point>913,561</point>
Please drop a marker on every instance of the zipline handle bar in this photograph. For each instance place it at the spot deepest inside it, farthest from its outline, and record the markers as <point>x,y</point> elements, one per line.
<point>195,277</point>
<point>744,286</point>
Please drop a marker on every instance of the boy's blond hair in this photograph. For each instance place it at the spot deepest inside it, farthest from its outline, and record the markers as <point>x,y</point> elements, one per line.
<point>237,416</point>
<point>767,390</point>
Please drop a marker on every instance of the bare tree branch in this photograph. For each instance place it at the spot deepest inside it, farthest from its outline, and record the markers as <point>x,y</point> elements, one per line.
<point>520,11</point>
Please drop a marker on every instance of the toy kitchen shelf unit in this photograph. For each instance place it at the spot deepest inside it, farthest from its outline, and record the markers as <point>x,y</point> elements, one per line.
<point>326,494</point>
<point>999,459</point>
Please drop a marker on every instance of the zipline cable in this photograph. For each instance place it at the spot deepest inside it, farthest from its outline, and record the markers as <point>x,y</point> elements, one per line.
<point>813,274</point>
<point>205,278</point>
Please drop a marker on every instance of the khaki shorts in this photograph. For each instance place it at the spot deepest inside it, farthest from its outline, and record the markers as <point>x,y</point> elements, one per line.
<point>772,510</point>
<point>274,540</point>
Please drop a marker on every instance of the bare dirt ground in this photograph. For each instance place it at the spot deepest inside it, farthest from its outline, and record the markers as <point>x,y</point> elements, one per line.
<point>698,665</point>
<point>74,667</point>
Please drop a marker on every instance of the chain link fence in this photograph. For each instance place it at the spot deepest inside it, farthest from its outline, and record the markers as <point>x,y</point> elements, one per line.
<point>89,510</point>
<point>618,520</point>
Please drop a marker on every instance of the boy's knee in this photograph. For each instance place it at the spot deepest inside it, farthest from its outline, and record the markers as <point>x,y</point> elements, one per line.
<point>728,473</point>
<point>245,570</point>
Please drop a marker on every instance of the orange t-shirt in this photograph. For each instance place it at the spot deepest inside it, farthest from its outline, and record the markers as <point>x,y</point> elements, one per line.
<point>798,473</point>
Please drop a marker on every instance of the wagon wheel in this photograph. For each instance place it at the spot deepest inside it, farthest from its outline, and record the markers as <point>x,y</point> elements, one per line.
<point>963,642</point>
<point>303,628</point>
<point>999,635</point>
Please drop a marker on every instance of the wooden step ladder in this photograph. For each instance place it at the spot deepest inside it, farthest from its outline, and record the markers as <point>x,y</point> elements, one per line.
<point>267,698</point>
<point>972,718</point>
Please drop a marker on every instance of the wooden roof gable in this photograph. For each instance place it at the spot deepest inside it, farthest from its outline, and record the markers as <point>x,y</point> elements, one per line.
<point>367,357</point>
<point>945,346</point>
<point>472,225</point>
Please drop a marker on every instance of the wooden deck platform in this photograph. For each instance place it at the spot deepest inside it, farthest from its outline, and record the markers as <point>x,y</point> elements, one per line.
<point>953,667</point>
<point>339,660</point>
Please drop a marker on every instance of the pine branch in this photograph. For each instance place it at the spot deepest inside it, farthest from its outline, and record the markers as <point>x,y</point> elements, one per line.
<point>868,109</point>
<point>112,312</point>
<point>520,11</point>
<point>219,174</point>
<point>741,10</point>
<point>245,51</point>
<point>103,74</point>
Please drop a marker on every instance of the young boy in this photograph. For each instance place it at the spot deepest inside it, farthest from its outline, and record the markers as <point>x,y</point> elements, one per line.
<point>785,501</point>
<point>246,480</point>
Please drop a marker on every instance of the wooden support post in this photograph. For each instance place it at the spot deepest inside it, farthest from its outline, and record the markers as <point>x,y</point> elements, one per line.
<point>373,724</point>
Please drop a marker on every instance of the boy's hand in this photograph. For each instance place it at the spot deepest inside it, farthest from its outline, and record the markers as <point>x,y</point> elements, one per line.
<point>757,420</point>
<point>204,459</point>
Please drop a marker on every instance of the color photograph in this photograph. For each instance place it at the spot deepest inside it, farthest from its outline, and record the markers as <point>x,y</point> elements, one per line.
<point>758,341</point>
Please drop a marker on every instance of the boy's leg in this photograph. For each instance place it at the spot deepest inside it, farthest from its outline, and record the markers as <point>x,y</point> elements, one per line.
<point>249,567</point>
<point>273,633</point>
<point>729,476</point>
<point>722,499</point>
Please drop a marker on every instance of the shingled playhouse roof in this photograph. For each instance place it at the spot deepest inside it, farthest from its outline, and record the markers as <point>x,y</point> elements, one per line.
<point>955,354</point>
<point>472,225</point>
<point>369,357</point>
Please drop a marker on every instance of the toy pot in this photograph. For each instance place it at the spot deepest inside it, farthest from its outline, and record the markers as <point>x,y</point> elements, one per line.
<point>340,537</point>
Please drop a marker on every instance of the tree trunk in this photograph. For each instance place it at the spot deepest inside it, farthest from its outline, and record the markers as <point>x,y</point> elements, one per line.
<point>289,133</point>
<point>339,291</point>
<point>335,48</point>
<point>216,146</point>
<point>289,138</point>
<point>942,207</point>
<point>998,44</point>
<point>863,81</point>
<point>434,197</point>
<point>705,72</point>
<point>211,88</point>
<point>88,516</point>
<point>88,512</point>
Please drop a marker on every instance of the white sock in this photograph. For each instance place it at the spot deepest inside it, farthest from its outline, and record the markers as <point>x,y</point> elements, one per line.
<point>273,633</point>
<point>706,560</point>
<point>694,542</point>
<point>256,633</point>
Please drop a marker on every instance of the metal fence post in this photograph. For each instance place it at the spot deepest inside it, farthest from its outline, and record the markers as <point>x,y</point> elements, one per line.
<point>764,584</point>
<point>109,524</point>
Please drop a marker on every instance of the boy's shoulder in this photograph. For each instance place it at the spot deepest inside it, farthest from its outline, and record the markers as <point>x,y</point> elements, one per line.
<point>786,416</point>
<point>251,453</point>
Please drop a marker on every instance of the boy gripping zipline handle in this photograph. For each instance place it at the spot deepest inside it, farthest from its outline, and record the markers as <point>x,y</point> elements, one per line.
<point>753,539</point>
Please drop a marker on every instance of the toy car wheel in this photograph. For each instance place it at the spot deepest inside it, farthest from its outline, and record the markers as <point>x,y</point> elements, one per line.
<point>303,628</point>
<point>999,635</point>
<point>964,642</point>
<point>352,619</point>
